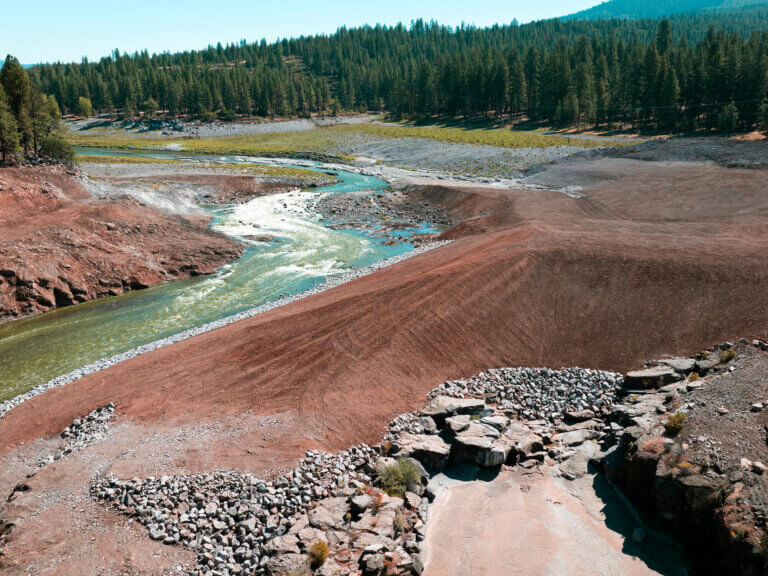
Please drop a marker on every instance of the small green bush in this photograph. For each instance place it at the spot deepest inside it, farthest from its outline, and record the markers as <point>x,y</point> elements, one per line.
<point>727,355</point>
<point>318,554</point>
<point>396,478</point>
<point>58,148</point>
<point>675,422</point>
<point>226,115</point>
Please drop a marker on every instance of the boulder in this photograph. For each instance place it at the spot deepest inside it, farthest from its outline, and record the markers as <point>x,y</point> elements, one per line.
<point>441,407</point>
<point>681,365</point>
<point>329,514</point>
<point>705,365</point>
<point>456,424</point>
<point>288,564</point>
<point>576,437</point>
<point>372,564</point>
<point>287,544</point>
<point>360,503</point>
<point>579,416</point>
<point>521,441</point>
<point>429,449</point>
<point>495,421</point>
<point>654,377</point>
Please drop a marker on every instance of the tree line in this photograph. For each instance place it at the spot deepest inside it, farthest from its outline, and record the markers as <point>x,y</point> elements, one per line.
<point>687,73</point>
<point>30,121</point>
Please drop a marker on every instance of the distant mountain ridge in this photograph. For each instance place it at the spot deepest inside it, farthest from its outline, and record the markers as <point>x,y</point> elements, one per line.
<point>637,9</point>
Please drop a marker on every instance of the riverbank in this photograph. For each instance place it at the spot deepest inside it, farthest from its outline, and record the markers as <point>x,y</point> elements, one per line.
<point>481,154</point>
<point>105,363</point>
<point>59,245</point>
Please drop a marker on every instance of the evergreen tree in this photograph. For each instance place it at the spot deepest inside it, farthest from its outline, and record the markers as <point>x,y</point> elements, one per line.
<point>9,130</point>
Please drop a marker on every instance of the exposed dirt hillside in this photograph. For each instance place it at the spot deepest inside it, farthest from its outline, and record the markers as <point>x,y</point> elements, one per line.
<point>60,246</point>
<point>657,258</point>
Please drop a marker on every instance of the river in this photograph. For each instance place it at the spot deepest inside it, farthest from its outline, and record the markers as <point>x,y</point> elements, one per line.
<point>304,253</point>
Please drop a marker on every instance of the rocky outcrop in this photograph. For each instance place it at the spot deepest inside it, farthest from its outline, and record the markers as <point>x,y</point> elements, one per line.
<point>681,456</point>
<point>59,246</point>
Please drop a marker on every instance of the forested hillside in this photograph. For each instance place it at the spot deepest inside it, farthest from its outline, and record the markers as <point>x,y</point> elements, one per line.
<point>660,8</point>
<point>29,120</point>
<point>696,70</point>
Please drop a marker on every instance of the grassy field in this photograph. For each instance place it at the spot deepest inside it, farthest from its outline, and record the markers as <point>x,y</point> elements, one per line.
<point>500,138</point>
<point>323,142</point>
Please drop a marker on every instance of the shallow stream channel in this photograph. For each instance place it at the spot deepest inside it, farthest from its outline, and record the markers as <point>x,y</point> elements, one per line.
<point>305,252</point>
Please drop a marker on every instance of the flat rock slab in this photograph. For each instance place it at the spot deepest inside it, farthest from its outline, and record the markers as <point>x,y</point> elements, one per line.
<point>654,377</point>
<point>681,365</point>
<point>523,526</point>
<point>442,406</point>
<point>429,449</point>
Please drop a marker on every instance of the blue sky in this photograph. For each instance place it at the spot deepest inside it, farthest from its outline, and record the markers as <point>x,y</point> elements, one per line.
<point>47,30</point>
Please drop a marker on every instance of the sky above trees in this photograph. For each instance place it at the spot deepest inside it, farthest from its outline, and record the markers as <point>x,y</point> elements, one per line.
<point>48,31</point>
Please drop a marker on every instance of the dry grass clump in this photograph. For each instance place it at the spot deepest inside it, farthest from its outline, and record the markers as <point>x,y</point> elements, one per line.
<point>318,554</point>
<point>727,355</point>
<point>675,423</point>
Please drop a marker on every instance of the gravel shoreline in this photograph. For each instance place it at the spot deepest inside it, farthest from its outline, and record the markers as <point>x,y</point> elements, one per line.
<point>105,363</point>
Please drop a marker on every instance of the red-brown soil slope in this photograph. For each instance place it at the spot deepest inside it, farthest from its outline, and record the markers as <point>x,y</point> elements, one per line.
<point>60,246</point>
<point>657,258</point>
<point>660,258</point>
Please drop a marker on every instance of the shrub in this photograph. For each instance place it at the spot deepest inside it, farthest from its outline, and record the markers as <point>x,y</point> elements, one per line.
<point>396,478</point>
<point>318,554</point>
<point>675,422</point>
<point>58,148</point>
<point>226,115</point>
<point>727,355</point>
<point>85,107</point>
<point>399,524</point>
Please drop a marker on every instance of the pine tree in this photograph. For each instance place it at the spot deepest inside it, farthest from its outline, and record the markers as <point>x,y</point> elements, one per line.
<point>9,130</point>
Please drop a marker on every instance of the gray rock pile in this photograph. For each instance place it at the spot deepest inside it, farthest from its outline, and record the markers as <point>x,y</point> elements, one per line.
<point>83,432</point>
<point>236,522</point>
<point>539,393</point>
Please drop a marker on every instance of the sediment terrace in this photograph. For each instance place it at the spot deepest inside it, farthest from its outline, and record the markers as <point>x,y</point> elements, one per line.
<point>658,257</point>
